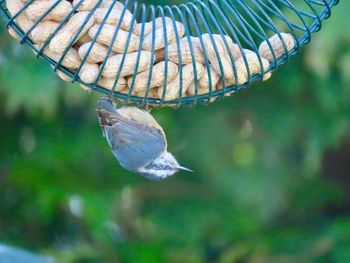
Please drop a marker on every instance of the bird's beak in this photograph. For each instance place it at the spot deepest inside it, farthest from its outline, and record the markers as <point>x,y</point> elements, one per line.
<point>185,169</point>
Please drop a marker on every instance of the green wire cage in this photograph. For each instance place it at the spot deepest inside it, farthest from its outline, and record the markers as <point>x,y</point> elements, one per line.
<point>247,23</point>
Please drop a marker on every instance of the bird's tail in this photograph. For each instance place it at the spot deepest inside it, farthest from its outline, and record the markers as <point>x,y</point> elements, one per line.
<point>107,105</point>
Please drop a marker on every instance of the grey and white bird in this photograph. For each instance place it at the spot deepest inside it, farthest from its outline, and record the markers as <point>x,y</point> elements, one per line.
<point>137,141</point>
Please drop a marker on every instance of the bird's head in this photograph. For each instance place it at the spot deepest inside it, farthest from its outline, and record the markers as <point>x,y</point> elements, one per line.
<point>164,166</point>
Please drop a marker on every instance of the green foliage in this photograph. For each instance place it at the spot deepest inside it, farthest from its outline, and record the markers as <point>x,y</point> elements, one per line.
<point>265,188</point>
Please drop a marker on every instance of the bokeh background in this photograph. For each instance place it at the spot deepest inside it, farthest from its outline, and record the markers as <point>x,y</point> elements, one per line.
<point>271,181</point>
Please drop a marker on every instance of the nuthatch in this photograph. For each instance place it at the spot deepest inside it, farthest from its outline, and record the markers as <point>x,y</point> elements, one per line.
<point>137,141</point>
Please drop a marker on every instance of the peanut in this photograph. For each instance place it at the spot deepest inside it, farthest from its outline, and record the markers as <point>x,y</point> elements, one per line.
<point>66,34</point>
<point>201,91</point>
<point>63,75</point>
<point>228,83</point>
<point>191,91</point>
<point>152,93</point>
<point>248,51</point>
<point>114,63</point>
<point>39,8</point>
<point>125,91</point>
<point>86,5</point>
<point>71,59</point>
<point>89,72</point>
<point>108,3</point>
<point>228,94</point>
<point>159,55</point>
<point>114,17</point>
<point>13,33</point>
<point>97,54</point>
<point>82,40</point>
<point>277,46</point>
<point>236,51</point>
<point>160,36</point>
<point>22,20</point>
<point>86,88</point>
<point>239,53</point>
<point>254,67</point>
<point>109,83</point>
<point>149,25</point>
<point>173,88</point>
<point>185,50</point>
<point>106,36</point>
<point>222,56</point>
<point>157,78</point>
<point>204,81</point>
<point>43,31</point>
<point>242,70</point>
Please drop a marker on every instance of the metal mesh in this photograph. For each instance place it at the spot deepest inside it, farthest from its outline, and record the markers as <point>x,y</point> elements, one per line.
<point>248,23</point>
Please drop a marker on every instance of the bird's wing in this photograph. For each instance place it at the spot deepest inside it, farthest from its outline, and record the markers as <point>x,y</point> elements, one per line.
<point>107,118</point>
<point>134,144</point>
<point>140,116</point>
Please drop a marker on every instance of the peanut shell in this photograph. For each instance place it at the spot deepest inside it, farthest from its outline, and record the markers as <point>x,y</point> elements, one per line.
<point>43,31</point>
<point>109,83</point>
<point>89,72</point>
<point>277,46</point>
<point>222,55</point>
<point>185,50</point>
<point>204,81</point>
<point>66,34</point>
<point>106,36</point>
<point>22,20</point>
<point>96,55</point>
<point>157,78</point>
<point>160,36</point>
<point>86,5</point>
<point>71,59</point>
<point>40,7</point>
<point>149,25</point>
<point>114,17</point>
<point>173,88</point>
<point>113,64</point>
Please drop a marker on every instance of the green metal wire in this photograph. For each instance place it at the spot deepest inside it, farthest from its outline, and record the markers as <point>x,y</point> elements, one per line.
<point>248,23</point>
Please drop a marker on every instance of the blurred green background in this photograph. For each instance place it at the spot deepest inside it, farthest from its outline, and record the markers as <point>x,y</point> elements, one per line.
<point>271,181</point>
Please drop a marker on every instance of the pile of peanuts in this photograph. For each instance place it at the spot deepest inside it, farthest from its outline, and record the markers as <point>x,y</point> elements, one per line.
<point>96,54</point>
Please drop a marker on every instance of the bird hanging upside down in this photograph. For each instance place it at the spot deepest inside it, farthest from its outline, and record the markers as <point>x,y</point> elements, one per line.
<point>137,141</point>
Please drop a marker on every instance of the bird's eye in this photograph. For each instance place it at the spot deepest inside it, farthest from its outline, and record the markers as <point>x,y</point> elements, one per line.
<point>163,167</point>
